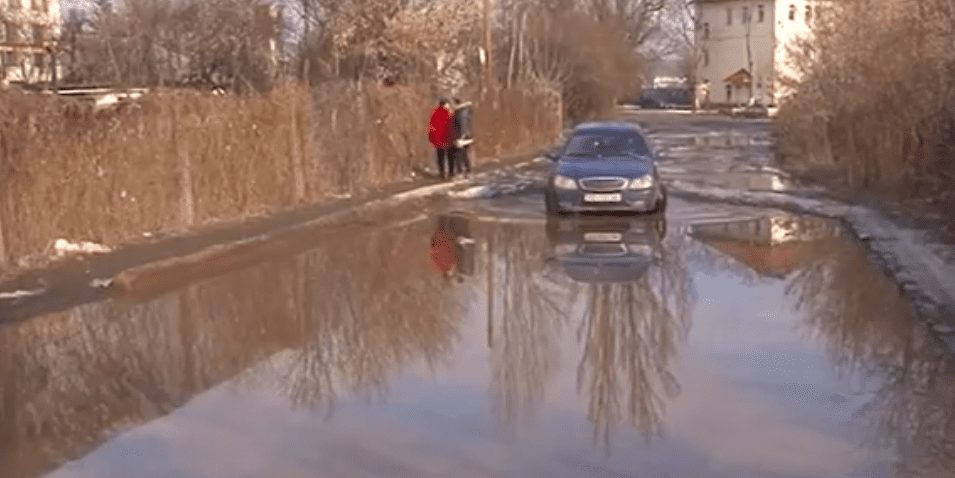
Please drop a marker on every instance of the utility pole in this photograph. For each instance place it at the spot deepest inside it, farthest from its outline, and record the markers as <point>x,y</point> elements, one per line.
<point>488,57</point>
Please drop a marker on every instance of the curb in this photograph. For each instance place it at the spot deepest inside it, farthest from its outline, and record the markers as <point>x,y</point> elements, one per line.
<point>89,279</point>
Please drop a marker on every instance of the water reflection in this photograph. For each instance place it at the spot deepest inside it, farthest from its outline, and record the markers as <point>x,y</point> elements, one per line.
<point>526,313</point>
<point>72,380</point>
<point>342,322</point>
<point>637,297</point>
<point>868,330</point>
<point>772,246</point>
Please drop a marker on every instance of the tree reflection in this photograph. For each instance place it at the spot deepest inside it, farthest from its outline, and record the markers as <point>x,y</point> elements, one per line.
<point>388,310</point>
<point>869,329</point>
<point>338,319</point>
<point>524,342</point>
<point>630,333</point>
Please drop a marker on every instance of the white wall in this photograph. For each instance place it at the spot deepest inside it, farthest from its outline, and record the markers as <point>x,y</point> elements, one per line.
<point>727,45</point>
<point>788,32</point>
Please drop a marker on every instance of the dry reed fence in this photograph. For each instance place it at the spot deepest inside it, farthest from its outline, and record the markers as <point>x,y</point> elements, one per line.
<point>181,158</point>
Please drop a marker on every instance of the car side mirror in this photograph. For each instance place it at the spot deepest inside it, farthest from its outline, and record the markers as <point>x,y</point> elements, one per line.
<point>552,155</point>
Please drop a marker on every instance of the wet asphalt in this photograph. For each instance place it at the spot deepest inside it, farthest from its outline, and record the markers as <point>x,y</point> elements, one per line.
<point>472,336</point>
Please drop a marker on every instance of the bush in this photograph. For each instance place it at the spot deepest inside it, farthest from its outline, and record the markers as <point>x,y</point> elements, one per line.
<point>876,108</point>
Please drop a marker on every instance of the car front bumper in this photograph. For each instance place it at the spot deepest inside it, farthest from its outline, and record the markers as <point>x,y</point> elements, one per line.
<point>572,200</point>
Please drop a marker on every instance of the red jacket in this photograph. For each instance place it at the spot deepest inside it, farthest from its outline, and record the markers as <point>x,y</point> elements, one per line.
<point>440,129</point>
<point>443,255</point>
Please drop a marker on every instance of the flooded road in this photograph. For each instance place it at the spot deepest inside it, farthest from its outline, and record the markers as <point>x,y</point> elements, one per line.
<point>477,338</point>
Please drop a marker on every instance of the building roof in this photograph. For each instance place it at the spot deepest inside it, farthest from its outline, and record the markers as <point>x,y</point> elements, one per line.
<point>768,261</point>
<point>741,77</point>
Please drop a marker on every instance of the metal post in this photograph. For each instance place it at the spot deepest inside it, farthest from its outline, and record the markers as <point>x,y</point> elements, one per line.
<point>488,47</point>
<point>489,265</point>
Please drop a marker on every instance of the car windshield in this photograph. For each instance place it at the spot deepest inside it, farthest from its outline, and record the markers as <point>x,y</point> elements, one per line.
<point>606,144</point>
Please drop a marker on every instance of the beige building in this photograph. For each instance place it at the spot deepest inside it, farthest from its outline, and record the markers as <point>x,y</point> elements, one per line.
<point>744,46</point>
<point>27,31</point>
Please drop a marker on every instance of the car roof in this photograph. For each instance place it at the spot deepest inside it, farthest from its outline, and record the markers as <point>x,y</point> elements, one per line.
<point>607,127</point>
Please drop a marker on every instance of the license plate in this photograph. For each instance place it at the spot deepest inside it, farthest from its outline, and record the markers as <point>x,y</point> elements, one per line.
<point>603,237</point>
<point>603,197</point>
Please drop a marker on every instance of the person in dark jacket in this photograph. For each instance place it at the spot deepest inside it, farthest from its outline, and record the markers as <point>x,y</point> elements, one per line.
<point>441,134</point>
<point>463,137</point>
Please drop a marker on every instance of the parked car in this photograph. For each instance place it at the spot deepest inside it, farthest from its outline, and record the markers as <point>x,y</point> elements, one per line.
<point>665,98</point>
<point>605,249</point>
<point>605,167</point>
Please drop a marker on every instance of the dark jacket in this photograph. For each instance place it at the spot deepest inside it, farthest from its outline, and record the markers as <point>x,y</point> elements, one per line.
<point>462,121</point>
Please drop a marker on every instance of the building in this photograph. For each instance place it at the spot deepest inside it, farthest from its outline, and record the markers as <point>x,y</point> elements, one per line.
<point>28,29</point>
<point>770,246</point>
<point>744,47</point>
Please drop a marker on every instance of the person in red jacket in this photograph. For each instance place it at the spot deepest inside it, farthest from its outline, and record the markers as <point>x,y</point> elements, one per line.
<point>441,135</point>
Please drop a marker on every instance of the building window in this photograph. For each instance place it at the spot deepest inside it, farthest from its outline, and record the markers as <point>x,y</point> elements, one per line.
<point>792,12</point>
<point>729,93</point>
<point>729,16</point>
<point>706,57</point>
<point>744,15</point>
<point>10,33</point>
<point>760,13</point>
<point>808,13</point>
<point>14,4</point>
<point>706,31</point>
<point>38,61</point>
<point>39,34</point>
<point>8,58</point>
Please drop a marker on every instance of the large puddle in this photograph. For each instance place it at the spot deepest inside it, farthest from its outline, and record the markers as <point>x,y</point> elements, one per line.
<point>742,345</point>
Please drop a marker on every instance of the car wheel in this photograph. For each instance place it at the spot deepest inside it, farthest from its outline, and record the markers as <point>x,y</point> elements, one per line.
<point>551,205</point>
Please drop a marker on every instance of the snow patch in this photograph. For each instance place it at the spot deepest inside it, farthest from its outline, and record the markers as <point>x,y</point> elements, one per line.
<point>63,247</point>
<point>101,283</point>
<point>493,190</point>
<point>474,192</point>
<point>20,294</point>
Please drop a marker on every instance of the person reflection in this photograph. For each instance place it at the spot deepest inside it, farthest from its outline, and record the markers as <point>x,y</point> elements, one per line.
<point>452,251</point>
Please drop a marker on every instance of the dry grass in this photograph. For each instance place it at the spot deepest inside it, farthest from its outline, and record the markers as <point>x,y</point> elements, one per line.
<point>180,159</point>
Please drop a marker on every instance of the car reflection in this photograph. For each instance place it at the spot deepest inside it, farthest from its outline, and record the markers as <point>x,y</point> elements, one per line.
<point>614,249</point>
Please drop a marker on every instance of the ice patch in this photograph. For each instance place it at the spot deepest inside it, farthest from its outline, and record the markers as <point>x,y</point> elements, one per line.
<point>101,283</point>
<point>488,191</point>
<point>20,294</point>
<point>474,192</point>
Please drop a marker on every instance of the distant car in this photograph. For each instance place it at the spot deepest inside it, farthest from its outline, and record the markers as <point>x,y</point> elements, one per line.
<point>605,249</point>
<point>665,98</point>
<point>605,167</point>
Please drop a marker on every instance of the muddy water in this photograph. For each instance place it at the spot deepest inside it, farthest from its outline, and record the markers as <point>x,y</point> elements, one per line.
<point>721,342</point>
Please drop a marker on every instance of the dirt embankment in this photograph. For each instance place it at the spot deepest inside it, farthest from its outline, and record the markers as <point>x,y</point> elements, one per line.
<point>178,159</point>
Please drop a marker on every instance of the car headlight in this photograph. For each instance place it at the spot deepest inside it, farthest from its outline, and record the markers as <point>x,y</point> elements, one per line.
<point>563,182</point>
<point>643,182</point>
